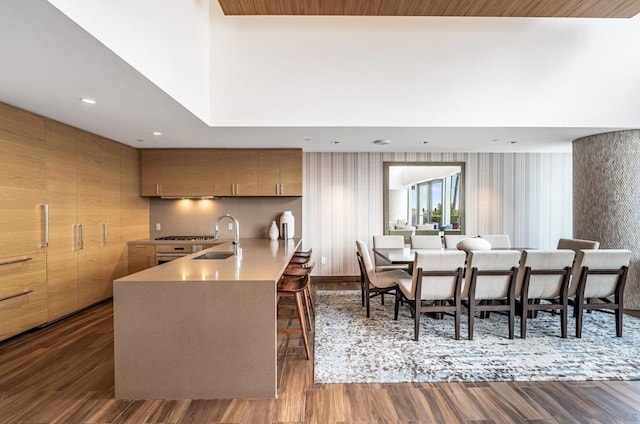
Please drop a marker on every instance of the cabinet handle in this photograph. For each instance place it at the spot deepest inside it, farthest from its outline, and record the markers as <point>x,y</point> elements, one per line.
<point>80,237</point>
<point>104,234</point>
<point>158,189</point>
<point>15,261</point>
<point>25,292</point>
<point>75,236</point>
<point>45,218</point>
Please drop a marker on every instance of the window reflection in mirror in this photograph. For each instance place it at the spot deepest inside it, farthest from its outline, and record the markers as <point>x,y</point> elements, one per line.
<point>423,197</point>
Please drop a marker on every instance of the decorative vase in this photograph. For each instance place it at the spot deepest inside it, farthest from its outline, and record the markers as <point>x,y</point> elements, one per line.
<point>287,225</point>
<point>273,231</point>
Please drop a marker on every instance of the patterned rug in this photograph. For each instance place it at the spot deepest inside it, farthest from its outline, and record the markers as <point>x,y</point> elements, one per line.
<point>350,348</point>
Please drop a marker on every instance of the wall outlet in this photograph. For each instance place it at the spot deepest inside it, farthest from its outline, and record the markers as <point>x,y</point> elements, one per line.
<point>230,226</point>
<point>158,227</point>
<point>323,260</point>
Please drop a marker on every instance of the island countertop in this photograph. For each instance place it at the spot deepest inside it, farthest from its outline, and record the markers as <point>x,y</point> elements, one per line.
<point>201,328</point>
<point>257,260</point>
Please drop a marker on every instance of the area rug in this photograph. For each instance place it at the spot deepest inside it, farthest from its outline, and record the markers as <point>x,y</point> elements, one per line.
<point>351,348</point>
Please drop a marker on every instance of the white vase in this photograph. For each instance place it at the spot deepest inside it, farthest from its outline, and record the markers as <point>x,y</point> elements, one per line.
<point>273,231</point>
<point>287,218</point>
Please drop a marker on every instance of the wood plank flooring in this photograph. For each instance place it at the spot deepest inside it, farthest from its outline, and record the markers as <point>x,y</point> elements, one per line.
<point>64,374</point>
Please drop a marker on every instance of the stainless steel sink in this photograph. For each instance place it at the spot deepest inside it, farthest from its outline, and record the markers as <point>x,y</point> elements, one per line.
<point>215,255</point>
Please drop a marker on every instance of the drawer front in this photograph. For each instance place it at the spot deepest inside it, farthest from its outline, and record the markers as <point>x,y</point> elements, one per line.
<point>23,293</point>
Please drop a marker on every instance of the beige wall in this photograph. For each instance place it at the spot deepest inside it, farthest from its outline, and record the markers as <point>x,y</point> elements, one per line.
<point>197,217</point>
<point>525,195</point>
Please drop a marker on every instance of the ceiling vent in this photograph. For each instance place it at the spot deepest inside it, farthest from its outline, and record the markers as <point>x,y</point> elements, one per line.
<point>381,142</point>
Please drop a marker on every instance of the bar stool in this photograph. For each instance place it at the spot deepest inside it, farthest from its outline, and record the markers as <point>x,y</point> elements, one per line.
<point>303,254</point>
<point>295,286</point>
<point>293,269</point>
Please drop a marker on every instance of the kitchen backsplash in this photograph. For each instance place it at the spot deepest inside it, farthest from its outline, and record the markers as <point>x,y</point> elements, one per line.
<point>197,217</point>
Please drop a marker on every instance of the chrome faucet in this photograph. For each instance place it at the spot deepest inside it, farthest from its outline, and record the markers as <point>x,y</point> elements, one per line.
<point>236,238</point>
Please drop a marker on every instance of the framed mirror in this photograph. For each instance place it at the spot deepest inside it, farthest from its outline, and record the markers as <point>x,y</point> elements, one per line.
<point>423,197</point>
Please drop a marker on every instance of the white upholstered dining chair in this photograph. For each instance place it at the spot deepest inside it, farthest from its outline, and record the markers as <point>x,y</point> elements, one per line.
<point>543,284</point>
<point>437,276</point>
<point>387,242</point>
<point>451,240</point>
<point>376,283</point>
<point>426,242</point>
<point>490,284</point>
<point>497,241</point>
<point>599,276</point>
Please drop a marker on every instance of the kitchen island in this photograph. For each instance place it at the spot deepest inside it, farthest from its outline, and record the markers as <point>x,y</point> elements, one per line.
<point>201,328</point>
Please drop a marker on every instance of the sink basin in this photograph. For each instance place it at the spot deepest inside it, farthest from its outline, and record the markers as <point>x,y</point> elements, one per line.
<point>215,255</point>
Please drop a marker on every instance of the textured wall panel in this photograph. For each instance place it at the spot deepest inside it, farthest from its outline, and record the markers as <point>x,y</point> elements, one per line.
<point>527,196</point>
<point>606,204</point>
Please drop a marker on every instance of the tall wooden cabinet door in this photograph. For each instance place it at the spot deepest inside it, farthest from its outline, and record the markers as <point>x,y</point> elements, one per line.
<point>135,208</point>
<point>268,172</point>
<point>236,172</point>
<point>291,173</point>
<point>199,172</point>
<point>150,172</point>
<point>89,231</point>
<point>174,172</point>
<point>62,271</point>
<point>112,246</point>
<point>22,184</point>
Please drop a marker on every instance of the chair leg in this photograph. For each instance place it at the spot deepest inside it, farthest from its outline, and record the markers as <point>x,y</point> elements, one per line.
<point>579,307</point>
<point>307,309</point>
<point>523,319</point>
<point>563,321</point>
<point>472,318</point>
<point>397,307</point>
<point>416,325</point>
<point>457,319</point>
<point>619,315</point>
<point>309,293</point>
<point>303,324</point>
<point>512,318</point>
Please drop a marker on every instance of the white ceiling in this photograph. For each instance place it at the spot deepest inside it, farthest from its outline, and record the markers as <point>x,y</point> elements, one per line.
<point>366,91</point>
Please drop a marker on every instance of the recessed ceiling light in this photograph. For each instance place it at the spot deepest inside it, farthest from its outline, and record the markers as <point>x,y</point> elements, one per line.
<point>335,142</point>
<point>512,142</point>
<point>424,142</point>
<point>381,142</point>
<point>307,139</point>
<point>495,139</point>
<point>158,133</point>
<point>88,101</point>
<point>140,140</point>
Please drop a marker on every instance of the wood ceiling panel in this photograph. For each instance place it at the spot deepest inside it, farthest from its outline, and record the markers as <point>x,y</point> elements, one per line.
<point>495,8</point>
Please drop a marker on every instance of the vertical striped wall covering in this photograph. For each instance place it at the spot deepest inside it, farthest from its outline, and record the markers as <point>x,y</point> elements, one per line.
<point>606,177</point>
<point>525,195</point>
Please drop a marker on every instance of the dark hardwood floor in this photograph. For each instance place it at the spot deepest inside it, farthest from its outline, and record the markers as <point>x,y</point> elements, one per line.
<point>64,374</point>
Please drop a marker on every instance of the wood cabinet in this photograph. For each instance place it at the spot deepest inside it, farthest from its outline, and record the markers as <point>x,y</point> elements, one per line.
<point>22,183</point>
<point>141,256</point>
<point>221,172</point>
<point>236,172</point>
<point>280,172</point>
<point>23,293</point>
<point>62,261</point>
<point>89,186</point>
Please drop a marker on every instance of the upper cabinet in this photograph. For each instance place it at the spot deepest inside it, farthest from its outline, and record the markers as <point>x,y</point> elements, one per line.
<point>221,172</point>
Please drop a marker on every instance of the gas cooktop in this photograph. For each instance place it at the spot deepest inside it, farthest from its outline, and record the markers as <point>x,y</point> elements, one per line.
<point>187,238</point>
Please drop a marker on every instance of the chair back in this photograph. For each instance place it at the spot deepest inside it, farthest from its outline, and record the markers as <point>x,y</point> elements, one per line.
<point>426,242</point>
<point>497,241</point>
<point>544,285</point>
<point>388,242</point>
<point>369,268</point>
<point>427,266</point>
<point>493,271</point>
<point>598,285</point>
<point>576,244</point>
<point>451,240</point>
